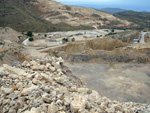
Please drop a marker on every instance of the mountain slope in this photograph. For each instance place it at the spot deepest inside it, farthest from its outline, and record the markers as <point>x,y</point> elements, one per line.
<point>112,10</point>
<point>21,15</point>
<point>140,18</point>
<point>48,15</point>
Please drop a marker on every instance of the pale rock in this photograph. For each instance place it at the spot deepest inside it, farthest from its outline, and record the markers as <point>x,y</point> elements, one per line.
<point>46,89</point>
<point>59,74</point>
<point>88,106</point>
<point>82,90</point>
<point>126,110</point>
<point>20,85</point>
<point>78,103</point>
<point>53,93</point>
<point>60,80</point>
<point>12,110</point>
<point>52,68</point>
<point>67,100</point>
<point>58,63</point>
<point>15,70</point>
<point>33,110</point>
<point>61,112</point>
<point>102,107</point>
<point>118,108</point>
<point>12,96</point>
<point>33,63</point>
<point>60,59</point>
<point>6,101</point>
<point>24,63</point>
<point>36,67</point>
<point>94,96</point>
<point>28,64</point>
<point>13,76</point>
<point>110,110</point>
<point>105,101</point>
<point>63,90</point>
<point>44,107</point>
<point>73,88</point>
<point>35,81</point>
<point>12,103</point>
<point>52,108</point>
<point>46,98</point>
<point>121,112</point>
<point>48,65</point>
<point>27,90</point>
<point>3,72</point>
<point>8,90</point>
<point>42,67</point>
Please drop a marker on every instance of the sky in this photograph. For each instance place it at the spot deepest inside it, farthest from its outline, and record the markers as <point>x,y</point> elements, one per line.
<point>136,5</point>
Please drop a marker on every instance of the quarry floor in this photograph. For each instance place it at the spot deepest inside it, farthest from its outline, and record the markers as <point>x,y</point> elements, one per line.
<point>122,82</point>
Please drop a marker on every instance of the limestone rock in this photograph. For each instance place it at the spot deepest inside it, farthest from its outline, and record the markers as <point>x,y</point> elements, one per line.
<point>46,98</point>
<point>7,90</point>
<point>52,108</point>
<point>52,68</point>
<point>82,90</point>
<point>40,86</point>
<point>94,96</point>
<point>27,90</point>
<point>3,72</point>
<point>33,110</point>
<point>78,103</point>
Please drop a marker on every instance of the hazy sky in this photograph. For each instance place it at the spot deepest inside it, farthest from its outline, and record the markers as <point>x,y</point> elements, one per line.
<point>138,5</point>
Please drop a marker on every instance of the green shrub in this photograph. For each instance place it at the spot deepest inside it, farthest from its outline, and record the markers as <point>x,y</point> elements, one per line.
<point>73,39</point>
<point>2,55</point>
<point>112,30</point>
<point>45,35</point>
<point>1,43</point>
<point>31,39</point>
<point>19,37</point>
<point>64,40</point>
<point>29,33</point>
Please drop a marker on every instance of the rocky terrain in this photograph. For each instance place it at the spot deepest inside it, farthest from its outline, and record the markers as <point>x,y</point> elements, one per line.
<point>10,48</point>
<point>56,12</point>
<point>47,86</point>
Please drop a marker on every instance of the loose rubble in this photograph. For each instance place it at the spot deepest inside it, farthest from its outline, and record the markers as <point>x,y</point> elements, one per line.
<point>47,86</point>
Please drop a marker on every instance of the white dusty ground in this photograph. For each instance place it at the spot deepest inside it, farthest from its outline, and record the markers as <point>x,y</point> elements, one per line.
<point>122,82</point>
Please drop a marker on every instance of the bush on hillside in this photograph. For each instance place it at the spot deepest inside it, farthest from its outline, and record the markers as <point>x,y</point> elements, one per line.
<point>29,33</point>
<point>64,40</point>
<point>73,39</point>
<point>31,39</point>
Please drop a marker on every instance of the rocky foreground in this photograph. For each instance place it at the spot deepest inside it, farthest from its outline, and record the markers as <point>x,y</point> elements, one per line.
<point>47,86</point>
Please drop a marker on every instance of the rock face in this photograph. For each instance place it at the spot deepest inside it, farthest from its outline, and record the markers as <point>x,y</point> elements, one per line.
<point>51,88</point>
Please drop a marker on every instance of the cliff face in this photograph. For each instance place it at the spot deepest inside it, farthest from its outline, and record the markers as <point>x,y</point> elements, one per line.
<point>47,86</point>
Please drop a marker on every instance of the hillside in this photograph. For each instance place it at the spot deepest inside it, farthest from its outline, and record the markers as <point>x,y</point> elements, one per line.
<point>112,10</point>
<point>48,15</point>
<point>139,18</point>
<point>21,15</point>
<point>10,49</point>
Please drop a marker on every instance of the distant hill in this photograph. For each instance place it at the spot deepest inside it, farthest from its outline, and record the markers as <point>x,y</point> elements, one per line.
<point>23,15</point>
<point>112,10</point>
<point>49,15</point>
<point>140,18</point>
